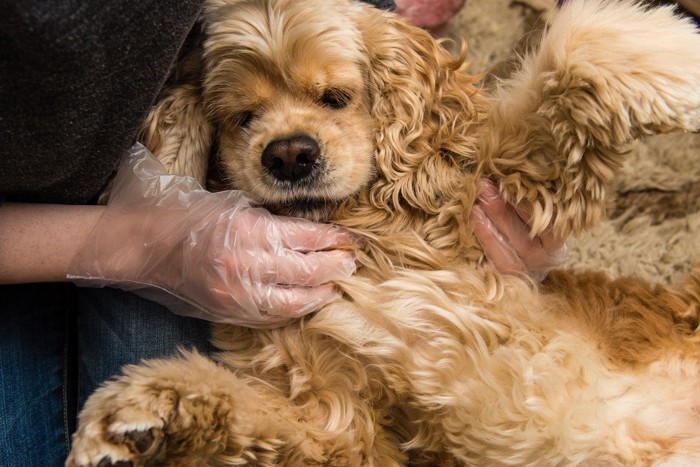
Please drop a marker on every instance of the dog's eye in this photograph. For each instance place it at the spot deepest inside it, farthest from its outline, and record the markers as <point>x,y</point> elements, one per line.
<point>335,98</point>
<point>245,118</point>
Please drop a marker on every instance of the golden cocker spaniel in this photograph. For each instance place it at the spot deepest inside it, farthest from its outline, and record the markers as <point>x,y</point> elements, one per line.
<point>335,111</point>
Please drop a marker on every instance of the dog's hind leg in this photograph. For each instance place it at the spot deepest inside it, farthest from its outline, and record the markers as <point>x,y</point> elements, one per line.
<point>605,73</point>
<point>185,412</point>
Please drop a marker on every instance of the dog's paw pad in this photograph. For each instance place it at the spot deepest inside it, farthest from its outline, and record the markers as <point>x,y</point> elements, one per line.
<point>143,442</point>
<point>127,438</point>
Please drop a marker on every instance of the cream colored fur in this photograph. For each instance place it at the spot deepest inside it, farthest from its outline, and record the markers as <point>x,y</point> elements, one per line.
<point>428,359</point>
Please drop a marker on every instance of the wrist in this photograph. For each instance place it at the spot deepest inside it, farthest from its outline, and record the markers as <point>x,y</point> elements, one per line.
<point>143,245</point>
<point>39,241</point>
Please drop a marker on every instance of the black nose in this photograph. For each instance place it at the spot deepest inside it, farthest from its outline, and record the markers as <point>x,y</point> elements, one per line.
<point>292,158</point>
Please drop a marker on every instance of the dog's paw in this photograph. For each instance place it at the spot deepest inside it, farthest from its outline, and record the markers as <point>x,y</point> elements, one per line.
<point>116,445</point>
<point>178,412</point>
<point>126,437</point>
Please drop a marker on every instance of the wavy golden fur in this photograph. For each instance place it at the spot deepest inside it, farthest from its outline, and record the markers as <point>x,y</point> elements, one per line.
<point>428,359</point>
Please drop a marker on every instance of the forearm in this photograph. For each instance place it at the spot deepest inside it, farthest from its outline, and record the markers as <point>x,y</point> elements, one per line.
<point>38,241</point>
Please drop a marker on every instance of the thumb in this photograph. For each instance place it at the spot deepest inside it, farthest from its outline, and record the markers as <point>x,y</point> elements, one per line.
<point>141,174</point>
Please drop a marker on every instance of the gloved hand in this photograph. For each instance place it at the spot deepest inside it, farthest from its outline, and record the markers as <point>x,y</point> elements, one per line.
<point>209,255</point>
<point>504,236</point>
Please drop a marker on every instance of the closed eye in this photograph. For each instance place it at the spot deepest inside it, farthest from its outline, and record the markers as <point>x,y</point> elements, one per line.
<point>244,119</point>
<point>335,98</point>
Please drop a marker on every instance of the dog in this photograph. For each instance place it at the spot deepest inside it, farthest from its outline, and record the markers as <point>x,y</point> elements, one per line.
<point>335,111</point>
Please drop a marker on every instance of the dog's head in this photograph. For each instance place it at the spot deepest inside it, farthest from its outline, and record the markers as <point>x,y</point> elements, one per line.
<point>324,109</point>
<point>334,110</point>
<point>286,85</point>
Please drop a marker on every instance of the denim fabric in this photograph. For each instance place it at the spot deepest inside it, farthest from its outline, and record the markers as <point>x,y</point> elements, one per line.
<point>57,344</point>
<point>33,366</point>
<point>116,328</point>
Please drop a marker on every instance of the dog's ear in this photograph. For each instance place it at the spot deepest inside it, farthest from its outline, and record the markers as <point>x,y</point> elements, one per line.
<point>605,73</point>
<point>427,111</point>
<point>177,130</point>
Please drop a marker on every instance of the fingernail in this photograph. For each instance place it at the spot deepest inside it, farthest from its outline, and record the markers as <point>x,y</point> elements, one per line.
<point>350,265</point>
<point>343,236</point>
<point>488,191</point>
<point>477,214</point>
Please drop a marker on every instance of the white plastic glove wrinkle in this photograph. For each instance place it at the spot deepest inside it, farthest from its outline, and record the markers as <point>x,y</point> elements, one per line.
<point>210,255</point>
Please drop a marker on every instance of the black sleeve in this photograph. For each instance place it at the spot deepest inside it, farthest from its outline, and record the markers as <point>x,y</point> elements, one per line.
<point>76,79</point>
<point>382,4</point>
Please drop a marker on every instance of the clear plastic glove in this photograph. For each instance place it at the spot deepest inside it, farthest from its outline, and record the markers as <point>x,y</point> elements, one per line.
<point>209,255</point>
<point>504,235</point>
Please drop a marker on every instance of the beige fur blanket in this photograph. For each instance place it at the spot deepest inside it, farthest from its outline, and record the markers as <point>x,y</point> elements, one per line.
<point>654,227</point>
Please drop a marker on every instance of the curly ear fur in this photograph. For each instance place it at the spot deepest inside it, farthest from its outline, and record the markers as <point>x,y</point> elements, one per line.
<point>428,113</point>
<point>605,73</point>
<point>177,130</point>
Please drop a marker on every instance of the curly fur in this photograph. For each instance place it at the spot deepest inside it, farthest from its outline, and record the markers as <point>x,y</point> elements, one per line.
<point>428,359</point>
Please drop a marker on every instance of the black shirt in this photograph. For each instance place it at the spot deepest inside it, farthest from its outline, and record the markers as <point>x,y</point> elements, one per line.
<point>76,80</point>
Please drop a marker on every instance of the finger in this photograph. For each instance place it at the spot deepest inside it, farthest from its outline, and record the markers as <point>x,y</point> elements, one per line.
<point>497,249</point>
<point>143,173</point>
<point>315,268</point>
<point>550,250</point>
<point>298,269</point>
<point>304,236</point>
<point>294,302</point>
<point>259,227</point>
<point>267,305</point>
<point>549,240</point>
<point>512,222</point>
<point>506,220</point>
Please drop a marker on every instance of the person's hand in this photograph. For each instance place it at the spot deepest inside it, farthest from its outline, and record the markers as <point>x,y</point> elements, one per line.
<point>209,255</point>
<point>504,236</point>
<point>431,15</point>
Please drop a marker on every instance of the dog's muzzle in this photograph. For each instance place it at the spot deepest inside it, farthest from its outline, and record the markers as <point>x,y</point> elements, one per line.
<point>292,159</point>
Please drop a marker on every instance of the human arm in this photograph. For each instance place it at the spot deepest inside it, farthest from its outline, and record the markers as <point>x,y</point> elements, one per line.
<point>38,241</point>
<point>202,254</point>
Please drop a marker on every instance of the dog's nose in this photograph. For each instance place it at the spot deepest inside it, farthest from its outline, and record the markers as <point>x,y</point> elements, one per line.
<point>292,158</point>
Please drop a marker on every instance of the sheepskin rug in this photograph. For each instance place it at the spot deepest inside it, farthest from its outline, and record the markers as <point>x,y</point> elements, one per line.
<point>653,230</point>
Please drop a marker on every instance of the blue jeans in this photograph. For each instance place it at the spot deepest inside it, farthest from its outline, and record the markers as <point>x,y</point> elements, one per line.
<point>57,344</point>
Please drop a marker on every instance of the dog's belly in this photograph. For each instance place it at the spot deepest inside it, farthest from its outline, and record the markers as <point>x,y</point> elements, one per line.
<point>511,371</point>
<point>559,400</point>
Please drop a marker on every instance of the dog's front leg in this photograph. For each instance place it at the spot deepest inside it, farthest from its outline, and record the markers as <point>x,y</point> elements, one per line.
<point>605,73</point>
<point>184,412</point>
